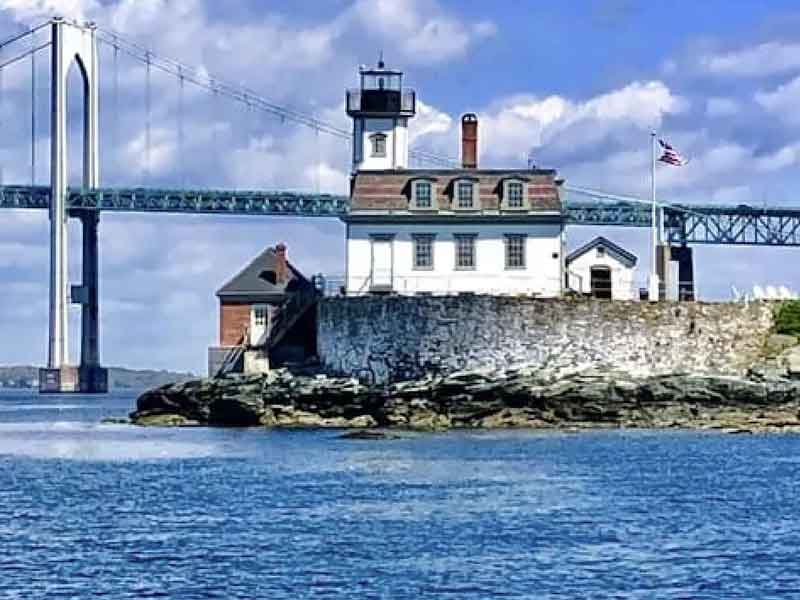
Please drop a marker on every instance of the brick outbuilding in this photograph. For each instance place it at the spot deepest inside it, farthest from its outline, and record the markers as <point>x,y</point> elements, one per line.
<point>259,314</point>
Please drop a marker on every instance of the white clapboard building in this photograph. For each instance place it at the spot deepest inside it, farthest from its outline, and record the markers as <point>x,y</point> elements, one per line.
<point>443,231</point>
<point>602,269</point>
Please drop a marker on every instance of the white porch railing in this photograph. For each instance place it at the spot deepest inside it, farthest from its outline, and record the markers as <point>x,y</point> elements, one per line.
<point>478,283</point>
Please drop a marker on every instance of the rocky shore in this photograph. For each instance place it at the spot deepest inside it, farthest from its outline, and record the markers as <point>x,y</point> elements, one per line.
<point>767,398</point>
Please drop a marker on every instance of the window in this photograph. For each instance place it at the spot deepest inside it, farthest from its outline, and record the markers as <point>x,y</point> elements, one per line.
<point>465,251</point>
<point>378,144</point>
<point>464,190</point>
<point>260,316</point>
<point>422,194</point>
<point>601,251</point>
<point>423,251</point>
<point>515,251</point>
<point>515,194</point>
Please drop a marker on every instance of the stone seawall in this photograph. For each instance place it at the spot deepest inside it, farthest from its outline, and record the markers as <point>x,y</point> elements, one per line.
<point>395,338</point>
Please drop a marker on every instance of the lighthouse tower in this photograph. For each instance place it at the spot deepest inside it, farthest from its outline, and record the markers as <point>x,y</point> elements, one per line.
<point>380,110</point>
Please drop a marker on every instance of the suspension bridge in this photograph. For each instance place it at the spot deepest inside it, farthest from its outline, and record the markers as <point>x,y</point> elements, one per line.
<point>69,43</point>
<point>683,224</point>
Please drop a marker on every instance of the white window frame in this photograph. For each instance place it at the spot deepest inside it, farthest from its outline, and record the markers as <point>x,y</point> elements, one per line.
<point>374,139</point>
<point>475,184</point>
<point>523,251</point>
<point>506,205</point>
<point>474,239</point>
<point>260,316</point>
<point>429,238</point>
<point>434,205</point>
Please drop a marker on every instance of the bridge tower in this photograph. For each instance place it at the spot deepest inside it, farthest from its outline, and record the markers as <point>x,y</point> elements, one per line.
<point>380,109</point>
<point>71,42</point>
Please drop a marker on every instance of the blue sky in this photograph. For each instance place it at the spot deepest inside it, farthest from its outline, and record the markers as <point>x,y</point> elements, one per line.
<point>580,84</point>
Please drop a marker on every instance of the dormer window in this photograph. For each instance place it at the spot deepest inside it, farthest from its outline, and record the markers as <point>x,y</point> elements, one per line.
<point>514,194</point>
<point>465,196</point>
<point>422,196</point>
<point>378,144</point>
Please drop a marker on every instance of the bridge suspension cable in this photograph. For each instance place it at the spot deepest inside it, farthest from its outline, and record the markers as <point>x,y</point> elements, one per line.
<point>7,62</point>
<point>148,116</point>
<point>23,55</point>
<point>600,195</point>
<point>115,128</point>
<point>240,93</point>
<point>22,35</point>
<point>2,124</point>
<point>33,109</point>
<point>181,157</point>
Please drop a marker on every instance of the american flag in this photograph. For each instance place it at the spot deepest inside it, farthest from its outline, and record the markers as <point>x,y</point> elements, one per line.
<point>670,155</point>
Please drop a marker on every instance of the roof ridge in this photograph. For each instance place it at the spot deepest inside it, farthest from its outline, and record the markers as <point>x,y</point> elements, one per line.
<point>248,279</point>
<point>602,240</point>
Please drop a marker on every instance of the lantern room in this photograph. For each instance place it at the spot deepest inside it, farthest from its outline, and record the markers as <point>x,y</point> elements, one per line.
<point>380,109</point>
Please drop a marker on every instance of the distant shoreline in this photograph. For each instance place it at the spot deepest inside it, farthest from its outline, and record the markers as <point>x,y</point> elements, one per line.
<point>26,378</point>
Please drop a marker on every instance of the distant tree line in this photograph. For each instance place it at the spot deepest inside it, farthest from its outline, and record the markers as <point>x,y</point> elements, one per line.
<point>27,377</point>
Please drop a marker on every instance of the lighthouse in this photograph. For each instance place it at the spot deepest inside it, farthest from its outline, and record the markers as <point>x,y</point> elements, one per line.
<point>380,109</point>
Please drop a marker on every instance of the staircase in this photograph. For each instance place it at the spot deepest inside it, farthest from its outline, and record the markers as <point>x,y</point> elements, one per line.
<point>234,355</point>
<point>290,312</point>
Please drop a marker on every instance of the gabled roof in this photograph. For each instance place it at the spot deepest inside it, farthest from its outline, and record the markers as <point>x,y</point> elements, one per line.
<point>257,280</point>
<point>622,255</point>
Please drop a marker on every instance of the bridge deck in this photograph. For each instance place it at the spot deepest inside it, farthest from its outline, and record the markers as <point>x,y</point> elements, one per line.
<point>699,223</point>
<point>695,224</point>
<point>182,201</point>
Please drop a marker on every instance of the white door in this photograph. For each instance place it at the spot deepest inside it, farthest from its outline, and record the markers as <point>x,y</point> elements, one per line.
<point>258,323</point>
<point>382,263</point>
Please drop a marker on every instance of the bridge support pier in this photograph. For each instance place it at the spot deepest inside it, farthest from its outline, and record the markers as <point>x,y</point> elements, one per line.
<point>72,44</point>
<point>683,256</point>
<point>92,378</point>
<point>89,377</point>
<point>663,256</point>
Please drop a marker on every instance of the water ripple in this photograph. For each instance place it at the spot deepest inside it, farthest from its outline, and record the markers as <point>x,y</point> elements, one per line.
<point>122,512</point>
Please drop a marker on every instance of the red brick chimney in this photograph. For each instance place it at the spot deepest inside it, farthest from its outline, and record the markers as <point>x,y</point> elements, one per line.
<point>281,265</point>
<point>469,141</point>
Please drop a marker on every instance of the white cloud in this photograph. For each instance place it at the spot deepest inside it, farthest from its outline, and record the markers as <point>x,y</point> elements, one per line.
<point>18,255</point>
<point>514,125</point>
<point>327,178</point>
<point>162,155</point>
<point>737,194</point>
<point>768,58</point>
<point>783,158</point>
<point>782,101</point>
<point>421,30</point>
<point>722,107</point>
<point>31,9</point>
<point>428,120</point>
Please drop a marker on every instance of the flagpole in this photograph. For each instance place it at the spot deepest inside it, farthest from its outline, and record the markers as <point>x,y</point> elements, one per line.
<point>654,282</point>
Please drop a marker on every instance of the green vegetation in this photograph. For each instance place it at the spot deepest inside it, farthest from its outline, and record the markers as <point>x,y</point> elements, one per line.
<point>27,377</point>
<point>787,318</point>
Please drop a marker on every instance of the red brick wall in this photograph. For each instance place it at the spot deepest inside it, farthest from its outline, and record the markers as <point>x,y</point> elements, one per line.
<point>233,318</point>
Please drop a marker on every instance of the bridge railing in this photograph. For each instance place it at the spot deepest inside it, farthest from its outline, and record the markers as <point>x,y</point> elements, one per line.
<point>182,201</point>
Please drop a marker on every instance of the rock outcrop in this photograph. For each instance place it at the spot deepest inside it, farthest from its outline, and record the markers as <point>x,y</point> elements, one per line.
<point>767,399</point>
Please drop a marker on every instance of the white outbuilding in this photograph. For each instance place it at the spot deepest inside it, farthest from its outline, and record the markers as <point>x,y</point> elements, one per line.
<point>602,269</point>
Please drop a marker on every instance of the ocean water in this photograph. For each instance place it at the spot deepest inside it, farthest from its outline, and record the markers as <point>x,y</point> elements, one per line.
<point>90,510</point>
